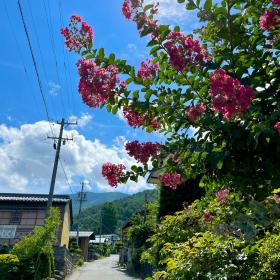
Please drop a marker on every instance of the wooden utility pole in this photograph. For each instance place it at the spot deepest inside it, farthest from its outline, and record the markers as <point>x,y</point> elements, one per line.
<point>57,147</point>
<point>145,207</point>
<point>81,197</point>
<point>100,228</point>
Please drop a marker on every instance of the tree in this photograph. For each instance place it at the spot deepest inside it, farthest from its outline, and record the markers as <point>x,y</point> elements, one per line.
<point>35,249</point>
<point>236,121</point>
<point>109,216</point>
<point>225,87</point>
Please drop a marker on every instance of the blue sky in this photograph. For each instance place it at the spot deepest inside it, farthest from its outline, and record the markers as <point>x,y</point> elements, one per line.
<point>25,153</point>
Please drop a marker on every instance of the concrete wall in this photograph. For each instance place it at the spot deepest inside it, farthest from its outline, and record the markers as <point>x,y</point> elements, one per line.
<point>65,227</point>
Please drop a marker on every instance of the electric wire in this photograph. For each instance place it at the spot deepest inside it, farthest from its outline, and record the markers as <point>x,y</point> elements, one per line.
<point>39,82</point>
<point>50,29</point>
<point>68,63</point>
<point>40,53</point>
<point>35,65</point>
<point>21,56</point>
<point>65,175</point>
<point>64,60</point>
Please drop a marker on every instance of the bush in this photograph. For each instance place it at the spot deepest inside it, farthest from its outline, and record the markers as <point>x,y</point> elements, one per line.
<point>45,266</point>
<point>9,265</point>
<point>4,249</point>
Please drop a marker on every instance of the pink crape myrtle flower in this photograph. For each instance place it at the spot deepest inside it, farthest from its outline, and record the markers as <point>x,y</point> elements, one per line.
<point>194,112</point>
<point>142,152</point>
<point>207,216</point>
<point>270,19</point>
<point>229,97</point>
<point>136,119</point>
<point>184,51</point>
<point>96,84</point>
<point>133,9</point>
<point>126,9</point>
<point>277,127</point>
<point>78,35</point>
<point>276,2</point>
<point>221,196</point>
<point>114,173</point>
<point>171,180</point>
<point>147,69</point>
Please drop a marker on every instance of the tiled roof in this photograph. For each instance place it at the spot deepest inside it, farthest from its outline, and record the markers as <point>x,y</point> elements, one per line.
<point>89,234</point>
<point>32,197</point>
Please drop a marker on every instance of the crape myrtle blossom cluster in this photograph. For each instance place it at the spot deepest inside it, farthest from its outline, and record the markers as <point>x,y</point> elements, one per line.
<point>184,51</point>
<point>114,173</point>
<point>136,119</point>
<point>277,127</point>
<point>96,83</point>
<point>229,96</point>
<point>171,180</point>
<point>194,112</point>
<point>147,69</point>
<point>221,196</point>
<point>77,38</point>
<point>133,9</point>
<point>271,18</point>
<point>276,3</point>
<point>142,152</point>
<point>207,216</point>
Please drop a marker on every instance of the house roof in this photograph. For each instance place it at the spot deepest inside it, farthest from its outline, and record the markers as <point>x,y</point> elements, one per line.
<point>98,240</point>
<point>33,197</point>
<point>89,234</point>
<point>154,176</point>
<point>37,198</point>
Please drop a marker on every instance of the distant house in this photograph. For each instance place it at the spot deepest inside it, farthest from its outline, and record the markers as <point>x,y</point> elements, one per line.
<point>110,238</point>
<point>84,238</point>
<point>20,213</point>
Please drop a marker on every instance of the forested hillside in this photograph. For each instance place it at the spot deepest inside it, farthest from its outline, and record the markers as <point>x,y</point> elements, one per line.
<point>114,213</point>
<point>93,198</point>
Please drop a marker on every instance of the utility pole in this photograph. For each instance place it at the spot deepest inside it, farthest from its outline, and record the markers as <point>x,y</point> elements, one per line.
<point>100,228</point>
<point>145,208</point>
<point>81,197</point>
<point>57,147</point>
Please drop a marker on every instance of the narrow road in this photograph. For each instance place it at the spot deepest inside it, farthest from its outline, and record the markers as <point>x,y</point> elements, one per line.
<point>104,269</point>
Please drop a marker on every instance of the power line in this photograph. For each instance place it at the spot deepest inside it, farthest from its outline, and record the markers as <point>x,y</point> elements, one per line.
<point>34,63</point>
<point>39,81</point>
<point>50,29</point>
<point>67,61</point>
<point>65,175</point>
<point>20,54</point>
<point>40,52</point>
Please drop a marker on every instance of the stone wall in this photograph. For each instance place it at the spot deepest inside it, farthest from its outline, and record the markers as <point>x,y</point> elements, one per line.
<point>64,261</point>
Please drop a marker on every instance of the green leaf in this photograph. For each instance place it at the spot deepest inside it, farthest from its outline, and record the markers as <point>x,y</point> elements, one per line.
<point>208,5</point>
<point>148,95</point>
<point>134,168</point>
<point>111,58</point>
<point>180,1</point>
<point>220,164</point>
<point>101,53</point>
<point>136,94</point>
<point>191,5</point>
<point>115,109</point>
<point>108,108</point>
<point>148,7</point>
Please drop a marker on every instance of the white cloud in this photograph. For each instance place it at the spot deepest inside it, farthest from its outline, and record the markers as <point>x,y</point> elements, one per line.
<point>82,121</point>
<point>54,88</point>
<point>26,160</point>
<point>170,11</point>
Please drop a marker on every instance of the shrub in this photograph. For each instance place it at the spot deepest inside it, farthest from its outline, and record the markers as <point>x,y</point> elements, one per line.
<point>45,266</point>
<point>9,265</point>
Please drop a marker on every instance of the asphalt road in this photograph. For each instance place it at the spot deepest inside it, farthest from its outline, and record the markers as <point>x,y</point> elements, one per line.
<point>104,269</point>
